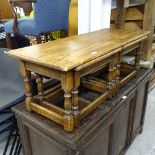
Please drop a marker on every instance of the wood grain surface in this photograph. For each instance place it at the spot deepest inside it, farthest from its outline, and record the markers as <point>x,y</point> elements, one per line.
<point>71,52</point>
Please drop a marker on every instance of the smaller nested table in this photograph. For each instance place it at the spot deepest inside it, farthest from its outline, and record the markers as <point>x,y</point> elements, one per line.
<point>76,62</point>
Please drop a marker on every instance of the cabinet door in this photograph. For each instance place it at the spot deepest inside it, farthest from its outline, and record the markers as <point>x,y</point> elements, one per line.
<point>98,144</point>
<point>139,109</point>
<point>121,129</point>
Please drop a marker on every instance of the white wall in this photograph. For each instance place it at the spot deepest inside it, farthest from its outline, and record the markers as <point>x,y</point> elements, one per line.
<point>93,15</point>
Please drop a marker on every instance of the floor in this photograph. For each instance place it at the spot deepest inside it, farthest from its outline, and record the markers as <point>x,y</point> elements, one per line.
<point>2,145</point>
<point>144,144</point>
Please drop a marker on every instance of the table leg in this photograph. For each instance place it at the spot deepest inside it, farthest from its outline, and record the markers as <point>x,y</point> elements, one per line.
<point>27,79</point>
<point>118,70</point>
<point>40,87</point>
<point>67,86</point>
<point>75,100</point>
<point>110,78</point>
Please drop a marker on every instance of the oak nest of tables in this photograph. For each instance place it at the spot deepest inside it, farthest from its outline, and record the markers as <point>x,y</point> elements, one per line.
<point>89,68</point>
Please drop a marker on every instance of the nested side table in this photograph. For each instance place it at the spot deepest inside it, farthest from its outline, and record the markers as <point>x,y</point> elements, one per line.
<point>74,61</point>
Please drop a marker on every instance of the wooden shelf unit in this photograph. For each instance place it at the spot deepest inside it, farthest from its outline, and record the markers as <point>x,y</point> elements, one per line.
<point>135,16</point>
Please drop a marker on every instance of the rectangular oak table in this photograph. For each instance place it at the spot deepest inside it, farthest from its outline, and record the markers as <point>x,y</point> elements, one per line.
<point>71,59</point>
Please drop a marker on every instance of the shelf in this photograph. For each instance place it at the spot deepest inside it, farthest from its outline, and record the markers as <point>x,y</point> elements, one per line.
<point>130,5</point>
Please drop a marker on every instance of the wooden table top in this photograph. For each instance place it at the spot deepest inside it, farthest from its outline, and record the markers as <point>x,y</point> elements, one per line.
<point>69,53</point>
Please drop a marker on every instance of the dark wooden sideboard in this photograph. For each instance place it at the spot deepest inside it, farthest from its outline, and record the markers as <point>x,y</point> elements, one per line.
<point>108,130</point>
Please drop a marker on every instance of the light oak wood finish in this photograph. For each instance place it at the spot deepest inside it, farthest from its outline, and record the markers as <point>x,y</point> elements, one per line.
<point>75,58</point>
<point>95,84</point>
<point>62,54</point>
<point>40,87</point>
<point>27,79</point>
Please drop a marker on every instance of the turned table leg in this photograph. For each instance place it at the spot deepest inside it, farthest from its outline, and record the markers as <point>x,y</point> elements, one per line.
<point>114,85</point>
<point>118,72</point>
<point>118,76</point>
<point>110,78</point>
<point>40,87</point>
<point>27,79</point>
<point>67,86</point>
<point>75,100</point>
<point>68,119</point>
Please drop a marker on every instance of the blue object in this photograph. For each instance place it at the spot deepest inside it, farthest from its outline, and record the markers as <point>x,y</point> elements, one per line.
<point>49,15</point>
<point>12,90</point>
